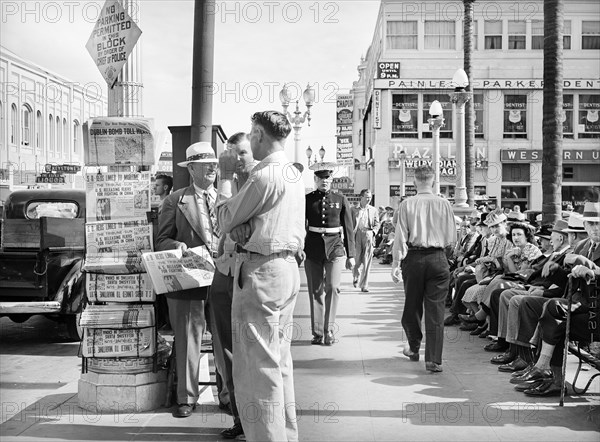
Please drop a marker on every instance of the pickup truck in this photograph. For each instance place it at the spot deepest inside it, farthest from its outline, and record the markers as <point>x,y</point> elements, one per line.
<point>41,258</point>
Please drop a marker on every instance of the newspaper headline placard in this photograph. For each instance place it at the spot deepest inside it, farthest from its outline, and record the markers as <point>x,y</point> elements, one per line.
<point>119,288</point>
<point>174,270</point>
<point>118,316</point>
<point>117,247</point>
<point>118,140</point>
<point>344,149</point>
<point>117,195</point>
<point>118,343</point>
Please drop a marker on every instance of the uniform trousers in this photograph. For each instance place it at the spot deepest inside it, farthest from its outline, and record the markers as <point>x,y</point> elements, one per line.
<point>188,323</point>
<point>265,290</point>
<point>426,276</point>
<point>219,306</point>
<point>323,279</point>
<point>363,245</point>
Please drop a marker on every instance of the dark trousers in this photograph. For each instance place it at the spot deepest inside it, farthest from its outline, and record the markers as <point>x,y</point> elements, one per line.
<point>219,305</point>
<point>494,310</point>
<point>426,276</point>
<point>530,311</point>
<point>463,282</point>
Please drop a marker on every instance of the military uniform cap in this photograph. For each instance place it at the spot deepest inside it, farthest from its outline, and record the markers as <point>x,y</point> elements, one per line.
<point>323,169</point>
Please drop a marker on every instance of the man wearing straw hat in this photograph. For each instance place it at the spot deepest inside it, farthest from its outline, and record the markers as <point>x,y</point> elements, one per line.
<point>187,220</point>
<point>328,214</point>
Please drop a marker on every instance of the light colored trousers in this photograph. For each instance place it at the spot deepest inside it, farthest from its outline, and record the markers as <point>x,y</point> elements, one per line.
<point>265,290</point>
<point>508,315</point>
<point>363,244</point>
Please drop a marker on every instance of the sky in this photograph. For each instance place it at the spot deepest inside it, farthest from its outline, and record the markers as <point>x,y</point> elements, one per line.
<point>257,43</point>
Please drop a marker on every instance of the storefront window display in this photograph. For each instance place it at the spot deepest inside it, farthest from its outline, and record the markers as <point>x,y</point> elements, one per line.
<point>405,115</point>
<point>515,116</point>
<point>589,108</point>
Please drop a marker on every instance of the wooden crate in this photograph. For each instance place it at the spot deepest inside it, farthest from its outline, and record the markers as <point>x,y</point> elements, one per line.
<point>21,234</point>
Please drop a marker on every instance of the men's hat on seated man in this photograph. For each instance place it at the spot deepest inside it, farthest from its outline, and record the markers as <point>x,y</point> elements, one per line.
<point>518,217</point>
<point>591,212</point>
<point>560,226</point>
<point>545,231</point>
<point>201,152</point>
<point>323,169</point>
<point>575,223</point>
<point>495,218</point>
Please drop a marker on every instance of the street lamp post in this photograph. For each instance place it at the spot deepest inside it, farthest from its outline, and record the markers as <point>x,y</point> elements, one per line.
<point>402,156</point>
<point>435,123</point>
<point>309,153</point>
<point>298,118</point>
<point>459,97</point>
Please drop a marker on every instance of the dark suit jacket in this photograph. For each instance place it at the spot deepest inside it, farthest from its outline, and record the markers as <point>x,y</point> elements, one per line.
<point>180,222</point>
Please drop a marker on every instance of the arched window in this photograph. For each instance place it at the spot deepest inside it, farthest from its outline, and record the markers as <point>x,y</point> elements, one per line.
<point>65,147</point>
<point>13,124</point>
<point>58,136</point>
<point>38,129</point>
<point>51,135</point>
<point>26,125</point>
<point>76,137</point>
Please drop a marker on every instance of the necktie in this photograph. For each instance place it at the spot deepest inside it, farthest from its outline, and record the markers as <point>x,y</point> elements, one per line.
<point>592,250</point>
<point>213,217</point>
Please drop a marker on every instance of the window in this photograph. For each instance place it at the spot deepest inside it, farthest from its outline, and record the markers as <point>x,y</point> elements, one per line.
<point>38,129</point>
<point>51,134</point>
<point>567,116</point>
<point>75,136</point>
<point>474,27</point>
<point>401,34</point>
<point>493,34</point>
<point>515,195</point>
<point>568,173</point>
<point>50,209</point>
<point>478,105</point>
<point>515,116</point>
<point>440,35</point>
<point>516,34</point>
<point>537,34</point>
<point>589,124</point>
<point>13,124</point>
<point>590,38</point>
<point>58,136</point>
<point>404,116</point>
<point>65,136</point>
<point>25,125</point>
<point>444,99</point>
<point>514,172</point>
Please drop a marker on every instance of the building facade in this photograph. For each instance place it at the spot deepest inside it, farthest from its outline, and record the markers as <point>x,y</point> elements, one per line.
<point>41,118</point>
<point>416,49</point>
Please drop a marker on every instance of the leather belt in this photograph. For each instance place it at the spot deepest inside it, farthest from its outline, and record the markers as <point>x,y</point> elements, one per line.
<point>240,249</point>
<point>324,229</point>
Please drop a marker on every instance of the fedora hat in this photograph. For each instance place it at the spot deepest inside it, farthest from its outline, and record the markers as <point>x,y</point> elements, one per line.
<point>201,152</point>
<point>591,212</point>
<point>484,216</point>
<point>495,218</point>
<point>575,223</point>
<point>560,226</point>
<point>545,231</point>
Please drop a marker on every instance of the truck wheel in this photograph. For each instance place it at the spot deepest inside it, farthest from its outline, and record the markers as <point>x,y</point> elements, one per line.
<point>19,318</point>
<point>74,330</point>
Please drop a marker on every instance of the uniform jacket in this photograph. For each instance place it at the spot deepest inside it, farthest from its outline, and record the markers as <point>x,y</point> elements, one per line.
<point>328,210</point>
<point>179,222</point>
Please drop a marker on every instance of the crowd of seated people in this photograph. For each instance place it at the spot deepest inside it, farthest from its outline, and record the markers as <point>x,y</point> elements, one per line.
<point>509,284</point>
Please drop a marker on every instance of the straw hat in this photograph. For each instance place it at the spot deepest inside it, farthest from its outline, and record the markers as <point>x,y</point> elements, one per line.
<point>495,218</point>
<point>201,152</point>
<point>575,223</point>
<point>591,212</point>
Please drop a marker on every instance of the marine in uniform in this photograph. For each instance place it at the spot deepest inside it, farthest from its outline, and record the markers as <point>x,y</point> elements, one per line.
<point>328,245</point>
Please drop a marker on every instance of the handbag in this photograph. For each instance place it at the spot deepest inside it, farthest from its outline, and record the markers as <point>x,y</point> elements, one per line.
<point>484,270</point>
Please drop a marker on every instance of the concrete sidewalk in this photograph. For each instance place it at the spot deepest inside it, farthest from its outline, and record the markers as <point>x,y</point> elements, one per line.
<point>360,389</point>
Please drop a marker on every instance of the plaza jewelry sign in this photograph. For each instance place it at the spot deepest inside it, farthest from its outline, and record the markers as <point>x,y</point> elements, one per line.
<point>112,40</point>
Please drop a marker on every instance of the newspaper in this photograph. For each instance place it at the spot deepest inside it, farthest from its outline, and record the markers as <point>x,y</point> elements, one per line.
<point>174,270</point>
<point>118,316</point>
<point>117,247</point>
<point>119,343</point>
<point>118,140</point>
<point>119,288</point>
<point>118,195</point>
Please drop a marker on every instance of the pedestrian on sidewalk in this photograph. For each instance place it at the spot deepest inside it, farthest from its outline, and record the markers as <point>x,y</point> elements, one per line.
<point>266,219</point>
<point>424,231</point>
<point>366,226</point>
<point>328,214</point>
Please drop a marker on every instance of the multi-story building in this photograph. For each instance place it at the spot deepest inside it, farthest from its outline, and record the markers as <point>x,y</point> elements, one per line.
<point>41,118</point>
<point>416,49</point>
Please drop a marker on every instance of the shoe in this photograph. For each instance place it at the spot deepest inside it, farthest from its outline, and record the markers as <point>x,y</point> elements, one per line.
<point>484,334</point>
<point>516,365</point>
<point>355,282</point>
<point>329,340</point>
<point>317,340</point>
<point>497,346</point>
<point>479,330</point>
<point>451,320</point>
<point>503,358</point>
<point>412,355</point>
<point>523,387</point>
<point>468,318</point>
<point>366,290</point>
<point>516,374</point>
<point>233,432</point>
<point>544,389</point>
<point>468,326</point>
<point>535,374</point>
<point>184,410</point>
<point>433,367</point>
